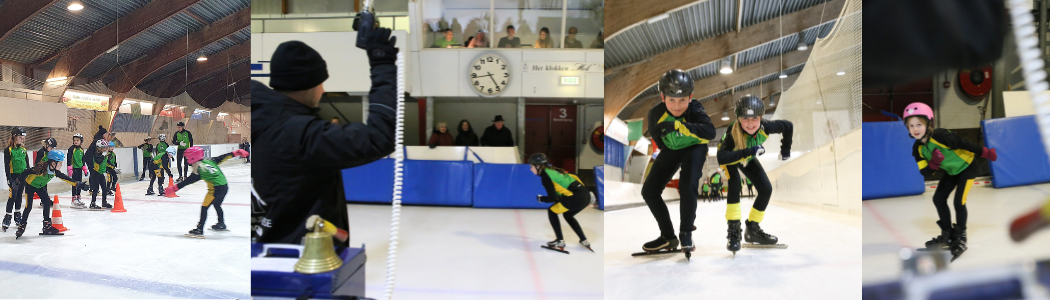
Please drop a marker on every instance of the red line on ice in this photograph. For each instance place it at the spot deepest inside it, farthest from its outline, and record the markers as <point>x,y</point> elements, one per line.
<point>882,221</point>
<point>528,253</point>
<point>66,203</point>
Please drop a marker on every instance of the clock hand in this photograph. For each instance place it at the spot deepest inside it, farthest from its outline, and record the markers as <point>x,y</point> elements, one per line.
<point>493,79</point>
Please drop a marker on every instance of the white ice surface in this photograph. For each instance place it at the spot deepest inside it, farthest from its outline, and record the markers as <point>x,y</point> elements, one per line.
<point>138,254</point>
<point>471,253</point>
<point>893,223</point>
<point>822,260</point>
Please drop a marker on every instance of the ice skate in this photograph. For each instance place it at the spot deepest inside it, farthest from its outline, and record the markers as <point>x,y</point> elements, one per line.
<point>556,245</point>
<point>196,233</point>
<point>687,243</point>
<point>587,245</point>
<point>942,241</point>
<point>21,230</point>
<point>149,192</point>
<point>660,245</point>
<point>93,206</point>
<point>106,205</point>
<point>219,227</point>
<point>958,242</point>
<point>77,203</point>
<point>734,236</point>
<point>48,230</point>
<point>7,222</point>
<point>757,238</point>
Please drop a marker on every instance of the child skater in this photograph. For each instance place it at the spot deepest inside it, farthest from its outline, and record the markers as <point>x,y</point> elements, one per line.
<point>76,166</point>
<point>569,196</point>
<point>36,183</point>
<point>741,144</point>
<point>99,164</point>
<point>112,171</point>
<point>16,160</point>
<point>207,170</point>
<point>938,149</point>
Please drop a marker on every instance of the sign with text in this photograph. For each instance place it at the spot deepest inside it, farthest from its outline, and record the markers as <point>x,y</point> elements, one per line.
<point>85,101</point>
<point>562,67</point>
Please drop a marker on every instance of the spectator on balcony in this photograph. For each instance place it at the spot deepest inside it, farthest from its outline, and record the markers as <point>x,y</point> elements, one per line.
<point>446,42</point>
<point>497,135</point>
<point>440,137</point>
<point>466,136</point>
<point>479,40</point>
<point>599,42</point>
<point>545,40</point>
<point>570,39</point>
<point>510,41</point>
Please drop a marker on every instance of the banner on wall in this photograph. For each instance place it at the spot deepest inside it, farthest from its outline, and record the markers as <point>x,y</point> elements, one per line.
<point>85,101</point>
<point>562,67</point>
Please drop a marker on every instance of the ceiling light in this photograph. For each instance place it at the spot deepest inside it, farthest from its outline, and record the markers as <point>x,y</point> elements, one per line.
<point>202,58</point>
<point>840,73</point>
<point>727,66</point>
<point>659,18</point>
<point>725,116</point>
<point>56,79</point>
<point>802,42</point>
<point>112,49</point>
<point>783,75</point>
<point>75,6</point>
<point>771,103</point>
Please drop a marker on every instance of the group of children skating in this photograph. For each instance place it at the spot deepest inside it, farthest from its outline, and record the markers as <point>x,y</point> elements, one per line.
<point>96,162</point>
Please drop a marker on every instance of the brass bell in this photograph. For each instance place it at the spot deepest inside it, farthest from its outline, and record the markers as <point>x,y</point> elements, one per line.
<point>318,253</point>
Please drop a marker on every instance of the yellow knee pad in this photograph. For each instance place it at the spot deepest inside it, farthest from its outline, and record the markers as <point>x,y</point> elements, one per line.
<point>733,211</point>
<point>756,215</point>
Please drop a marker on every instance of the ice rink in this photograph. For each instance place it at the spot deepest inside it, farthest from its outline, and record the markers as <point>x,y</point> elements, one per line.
<point>893,223</point>
<point>471,253</point>
<point>138,254</point>
<point>821,261</point>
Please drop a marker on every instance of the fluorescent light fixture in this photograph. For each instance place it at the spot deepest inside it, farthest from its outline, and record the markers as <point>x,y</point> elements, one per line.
<point>223,114</point>
<point>75,6</point>
<point>129,102</point>
<point>783,75</point>
<point>727,66</point>
<point>202,58</point>
<point>725,116</point>
<point>840,73</point>
<point>659,18</point>
<point>771,103</point>
<point>802,42</point>
<point>56,79</point>
<point>112,49</point>
<point>570,80</point>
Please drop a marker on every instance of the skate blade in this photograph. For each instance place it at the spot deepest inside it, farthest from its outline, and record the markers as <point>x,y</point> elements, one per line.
<point>196,236</point>
<point>932,249</point>
<point>589,248</point>
<point>53,234</point>
<point>95,209</point>
<point>213,229</point>
<point>555,249</point>
<point>656,252</point>
<point>760,246</point>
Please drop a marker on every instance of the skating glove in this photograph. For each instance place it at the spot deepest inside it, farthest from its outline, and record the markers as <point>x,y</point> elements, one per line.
<point>989,153</point>
<point>240,153</point>
<point>758,150</point>
<point>544,199</point>
<point>935,161</point>
<point>380,46</point>
<point>82,186</point>
<point>664,128</point>
<point>70,173</point>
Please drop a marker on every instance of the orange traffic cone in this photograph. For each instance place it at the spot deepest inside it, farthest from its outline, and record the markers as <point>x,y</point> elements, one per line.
<point>171,182</point>
<point>56,216</point>
<point>118,205</point>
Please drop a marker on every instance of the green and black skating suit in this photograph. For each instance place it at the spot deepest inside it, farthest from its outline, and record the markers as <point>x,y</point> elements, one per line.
<point>208,170</point>
<point>569,196</point>
<point>16,160</point>
<point>685,148</point>
<point>164,164</point>
<point>959,155</point>
<point>184,139</point>
<point>734,162</point>
<point>75,159</point>
<point>99,165</point>
<point>156,163</point>
<point>37,184</point>
<point>111,158</point>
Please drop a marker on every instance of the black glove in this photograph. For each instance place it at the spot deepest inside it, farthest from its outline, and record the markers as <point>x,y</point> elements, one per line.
<point>380,46</point>
<point>432,146</point>
<point>758,150</point>
<point>544,199</point>
<point>82,186</point>
<point>663,128</point>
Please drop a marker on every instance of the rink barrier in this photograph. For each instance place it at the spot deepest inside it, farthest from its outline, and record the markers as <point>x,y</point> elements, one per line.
<point>426,182</point>
<point>889,169</point>
<point>448,183</point>
<point>1019,147</point>
<point>599,179</point>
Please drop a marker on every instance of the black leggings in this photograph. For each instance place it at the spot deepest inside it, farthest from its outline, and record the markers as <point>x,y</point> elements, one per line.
<point>214,198</point>
<point>14,197</point>
<point>166,164</point>
<point>757,174</point>
<point>98,183</point>
<point>581,197</point>
<point>691,161</point>
<point>145,167</point>
<point>78,175</point>
<point>156,174</point>
<point>183,168</point>
<point>45,201</point>
<point>961,183</point>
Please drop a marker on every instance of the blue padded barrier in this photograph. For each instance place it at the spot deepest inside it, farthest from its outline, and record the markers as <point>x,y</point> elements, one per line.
<point>599,174</point>
<point>889,169</point>
<point>615,154</point>
<point>507,186</point>
<point>1022,158</point>
<point>426,182</point>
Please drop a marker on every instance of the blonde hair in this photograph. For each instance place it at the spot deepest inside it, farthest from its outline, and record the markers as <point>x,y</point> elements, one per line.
<point>439,124</point>
<point>738,135</point>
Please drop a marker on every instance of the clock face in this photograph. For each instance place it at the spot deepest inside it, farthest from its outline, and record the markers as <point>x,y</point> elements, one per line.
<point>489,75</point>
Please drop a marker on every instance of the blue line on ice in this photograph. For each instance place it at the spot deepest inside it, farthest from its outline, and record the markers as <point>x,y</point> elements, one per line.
<point>174,290</point>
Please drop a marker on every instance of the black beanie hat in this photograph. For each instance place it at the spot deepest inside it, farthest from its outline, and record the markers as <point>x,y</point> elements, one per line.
<point>295,66</point>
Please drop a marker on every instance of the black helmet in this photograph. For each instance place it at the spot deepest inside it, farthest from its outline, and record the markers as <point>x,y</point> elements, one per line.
<point>538,159</point>
<point>51,142</point>
<point>750,106</point>
<point>18,131</point>
<point>676,83</point>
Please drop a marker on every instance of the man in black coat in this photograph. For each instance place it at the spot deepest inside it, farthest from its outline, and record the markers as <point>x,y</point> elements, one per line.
<point>300,154</point>
<point>497,135</point>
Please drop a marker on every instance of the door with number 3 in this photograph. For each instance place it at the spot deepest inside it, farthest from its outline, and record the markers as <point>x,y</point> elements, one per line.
<point>551,129</point>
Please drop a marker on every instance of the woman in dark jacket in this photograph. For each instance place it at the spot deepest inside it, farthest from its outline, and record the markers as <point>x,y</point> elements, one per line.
<point>466,136</point>
<point>440,137</point>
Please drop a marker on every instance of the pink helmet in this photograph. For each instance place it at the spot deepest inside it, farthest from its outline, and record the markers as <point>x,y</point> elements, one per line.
<point>194,154</point>
<point>918,109</point>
